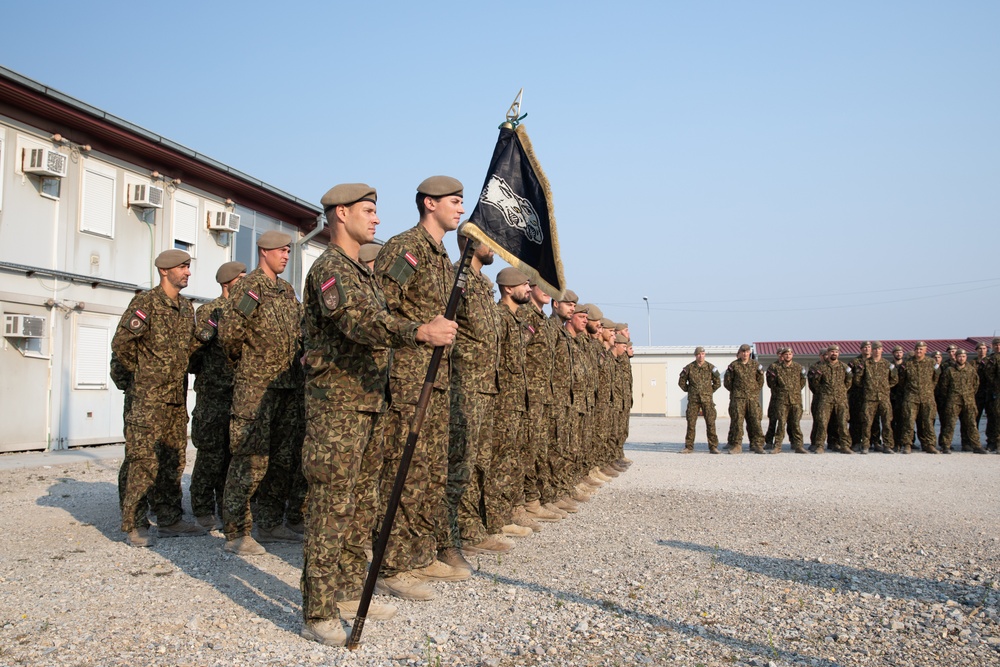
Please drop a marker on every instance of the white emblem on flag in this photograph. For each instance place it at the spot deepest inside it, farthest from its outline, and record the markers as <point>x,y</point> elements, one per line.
<point>517,211</point>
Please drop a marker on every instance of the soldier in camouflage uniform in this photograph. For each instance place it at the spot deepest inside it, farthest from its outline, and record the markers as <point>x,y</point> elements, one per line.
<point>982,395</point>
<point>700,380</point>
<point>602,396</point>
<point>744,379</point>
<point>831,379</point>
<point>584,372</point>
<point>875,380</point>
<point>786,379</point>
<point>475,363</point>
<point>348,329</point>
<point>959,384</point>
<point>417,278</point>
<point>992,373</point>
<point>153,342</point>
<point>505,487</point>
<point>210,419</point>
<point>896,400</point>
<point>261,332</point>
<point>919,376</point>
<point>855,395</point>
<point>624,402</point>
<point>948,362</point>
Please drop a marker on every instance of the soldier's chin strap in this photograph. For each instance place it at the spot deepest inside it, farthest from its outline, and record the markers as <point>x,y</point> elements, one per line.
<point>378,551</point>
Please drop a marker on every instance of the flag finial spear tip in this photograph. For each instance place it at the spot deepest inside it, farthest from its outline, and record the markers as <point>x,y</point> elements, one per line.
<point>514,112</point>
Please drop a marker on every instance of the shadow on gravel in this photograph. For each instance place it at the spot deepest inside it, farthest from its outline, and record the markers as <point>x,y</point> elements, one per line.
<point>766,652</point>
<point>241,580</point>
<point>842,577</point>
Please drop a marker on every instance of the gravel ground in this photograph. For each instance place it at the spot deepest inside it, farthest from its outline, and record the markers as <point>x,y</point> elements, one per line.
<point>688,560</point>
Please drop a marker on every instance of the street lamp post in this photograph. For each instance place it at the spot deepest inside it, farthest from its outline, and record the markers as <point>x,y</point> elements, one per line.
<point>649,326</point>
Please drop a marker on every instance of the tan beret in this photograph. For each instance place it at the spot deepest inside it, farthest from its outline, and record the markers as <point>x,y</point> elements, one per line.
<point>273,239</point>
<point>920,343</point>
<point>607,324</point>
<point>877,345</point>
<point>960,351</point>
<point>510,277</point>
<point>699,350</point>
<point>168,259</point>
<point>346,194</point>
<point>833,348</point>
<point>995,341</point>
<point>897,348</point>
<point>620,339</point>
<point>229,271</point>
<point>579,308</point>
<point>744,348</point>
<point>866,343</point>
<point>369,251</point>
<point>440,186</point>
<point>569,296</point>
<point>952,347</point>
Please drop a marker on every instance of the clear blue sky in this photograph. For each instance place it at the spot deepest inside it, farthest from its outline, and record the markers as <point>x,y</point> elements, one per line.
<point>761,171</point>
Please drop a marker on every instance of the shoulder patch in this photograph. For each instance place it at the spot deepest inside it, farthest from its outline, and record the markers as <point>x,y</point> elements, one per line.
<point>205,333</point>
<point>403,268</point>
<point>138,320</point>
<point>332,293</point>
<point>248,303</point>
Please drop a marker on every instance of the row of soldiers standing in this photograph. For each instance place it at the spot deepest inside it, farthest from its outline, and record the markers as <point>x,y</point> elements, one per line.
<point>870,403</point>
<point>304,408</point>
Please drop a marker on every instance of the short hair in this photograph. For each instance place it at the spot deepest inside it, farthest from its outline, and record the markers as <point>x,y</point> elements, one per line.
<point>421,208</point>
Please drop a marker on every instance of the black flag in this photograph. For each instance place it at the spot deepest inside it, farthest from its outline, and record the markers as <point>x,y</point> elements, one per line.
<point>514,212</point>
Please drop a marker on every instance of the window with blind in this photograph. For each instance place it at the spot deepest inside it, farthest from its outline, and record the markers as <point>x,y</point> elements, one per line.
<point>97,209</point>
<point>186,225</point>
<point>92,357</point>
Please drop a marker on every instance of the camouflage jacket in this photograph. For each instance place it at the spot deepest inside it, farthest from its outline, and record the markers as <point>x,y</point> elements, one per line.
<point>261,332</point>
<point>832,380</point>
<point>417,278</point>
<point>701,381</point>
<point>982,368</point>
<point>349,331</point>
<point>744,380</point>
<point>210,365</point>
<point>584,373</point>
<point>857,366</point>
<point>786,382</point>
<point>959,381</point>
<point>563,360</point>
<point>538,355</point>
<point>918,378</point>
<point>604,362</point>
<point>875,379</point>
<point>513,385</point>
<point>475,356</point>
<point>625,374</point>
<point>153,342</point>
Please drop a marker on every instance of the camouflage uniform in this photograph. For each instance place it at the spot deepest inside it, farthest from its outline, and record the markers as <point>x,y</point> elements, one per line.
<point>700,383</point>
<point>583,402</point>
<point>896,402</point>
<point>348,329</point>
<point>261,331</point>
<point>744,382</point>
<point>786,382</point>
<point>416,277</point>
<point>983,394</point>
<point>505,487</point>
<point>602,406</point>
<point>563,414</point>
<point>475,361</point>
<point>992,378</point>
<point>537,372</point>
<point>855,400</point>
<point>919,379</point>
<point>210,418</point>
<point>153,342</point>
<point>625,405</point>
<point>875,380</point>
<point>959,385</point>
<point>832,378</point>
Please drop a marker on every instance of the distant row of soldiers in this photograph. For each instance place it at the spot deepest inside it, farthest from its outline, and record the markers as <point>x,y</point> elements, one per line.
<point>303,408</point>
<point>870,403</point>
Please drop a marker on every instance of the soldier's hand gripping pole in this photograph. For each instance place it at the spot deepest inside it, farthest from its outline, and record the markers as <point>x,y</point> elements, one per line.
<point>378,552</point>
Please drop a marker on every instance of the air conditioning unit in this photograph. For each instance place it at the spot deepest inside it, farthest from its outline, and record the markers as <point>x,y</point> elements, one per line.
<point>43,162</point>
<point>24,326</point>
<point>223,221</point>
<point>146,196</point>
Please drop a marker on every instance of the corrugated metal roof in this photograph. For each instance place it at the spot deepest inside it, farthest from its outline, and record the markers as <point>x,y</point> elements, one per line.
<point>853,347</point>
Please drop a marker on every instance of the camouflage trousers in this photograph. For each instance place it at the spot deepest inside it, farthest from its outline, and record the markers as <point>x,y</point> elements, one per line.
<point>962,409</point>
<point>421,523</point>
<point>855,404</point>
<point>876,416</point>
<point>505,486</point>
<point>993,421</point>
<point>578,443</point>
<point>536,450</point>
<point>150,475</point>
<point>707,407</point>
<point>599,430</point>
<point>470,447</point>
<point>264,451</point>
<point>554,471</point>
<point>831,414</point>
<point>745,410</point>
<point>920,412</point>
<point>210,436</point>
<point>787,419</point>
<point>341,462</point>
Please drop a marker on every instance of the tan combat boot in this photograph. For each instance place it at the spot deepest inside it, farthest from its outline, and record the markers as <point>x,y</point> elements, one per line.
<point>329,633</point>
<point>567,505</point>
<point>521,518</point>
<point>181,529</point>
<point>514,530</point>
<point>405,586</point>
<point>376,610</point>
<point>453,556</point>
<point>244,546</point>
<point>140,537</point>
<point>277,533</point>
<point>535,511</point>
<point>492,544</point>
<point>552,507</point>
<point>441,571</point>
